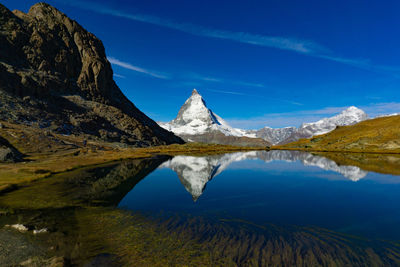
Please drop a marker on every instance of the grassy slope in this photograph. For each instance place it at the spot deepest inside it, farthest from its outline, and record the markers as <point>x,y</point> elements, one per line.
<point>381,135</point>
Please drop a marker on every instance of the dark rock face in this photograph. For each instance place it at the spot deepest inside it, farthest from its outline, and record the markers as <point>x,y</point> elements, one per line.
<point>8,153</point>
<point>55,74</point>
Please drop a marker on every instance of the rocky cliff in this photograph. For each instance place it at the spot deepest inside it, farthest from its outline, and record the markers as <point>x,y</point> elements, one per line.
<point>55,74</point>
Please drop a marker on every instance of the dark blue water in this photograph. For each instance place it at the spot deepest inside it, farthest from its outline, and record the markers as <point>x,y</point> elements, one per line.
<point>278,187</point>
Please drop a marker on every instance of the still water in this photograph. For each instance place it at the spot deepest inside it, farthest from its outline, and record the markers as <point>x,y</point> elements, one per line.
<point>286,188</point>
<point>259,208</point>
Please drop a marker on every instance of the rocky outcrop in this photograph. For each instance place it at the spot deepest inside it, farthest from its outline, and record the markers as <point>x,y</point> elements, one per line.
<point>8,153</point>
<point>55,74</point>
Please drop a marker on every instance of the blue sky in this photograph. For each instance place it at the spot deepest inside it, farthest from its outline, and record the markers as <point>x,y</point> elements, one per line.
<point>256,63</point>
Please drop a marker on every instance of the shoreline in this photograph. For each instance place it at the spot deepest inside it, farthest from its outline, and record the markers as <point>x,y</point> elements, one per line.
<point>34,168</point>
<point>337,151</point>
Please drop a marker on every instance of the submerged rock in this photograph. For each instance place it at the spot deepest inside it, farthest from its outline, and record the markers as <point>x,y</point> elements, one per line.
<point>18,227</point>
<point>40,231</point>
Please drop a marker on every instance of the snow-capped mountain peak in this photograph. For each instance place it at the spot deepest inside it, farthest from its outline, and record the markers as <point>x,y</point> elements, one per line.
<point>194,108</point>
<point>195,117</point>
<point>349,116</point>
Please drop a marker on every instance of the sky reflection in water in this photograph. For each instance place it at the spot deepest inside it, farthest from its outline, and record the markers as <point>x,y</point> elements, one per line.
<point>279,187</point>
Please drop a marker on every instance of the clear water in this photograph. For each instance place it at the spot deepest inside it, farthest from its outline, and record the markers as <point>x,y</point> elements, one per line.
<point>275,187</point>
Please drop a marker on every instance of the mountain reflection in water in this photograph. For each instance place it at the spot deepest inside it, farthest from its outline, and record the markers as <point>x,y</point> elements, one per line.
<point>195,172</point>
<point>275,208</point>
<point>277,187</point>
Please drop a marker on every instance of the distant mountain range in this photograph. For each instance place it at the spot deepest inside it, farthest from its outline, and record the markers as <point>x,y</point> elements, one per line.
<point>349,116</point>
<point>196,122</point>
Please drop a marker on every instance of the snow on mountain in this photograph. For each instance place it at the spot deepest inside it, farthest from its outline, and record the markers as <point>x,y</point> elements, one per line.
<point>350,116</point>
<point>274,135</point>
<point>307,159</point>
<point>387,115</point>
<point>195,172</point>
<point>195,118</point>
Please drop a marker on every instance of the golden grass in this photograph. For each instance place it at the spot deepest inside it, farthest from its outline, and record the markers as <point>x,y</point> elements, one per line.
<point>376,162</point>
<point>381,135</point>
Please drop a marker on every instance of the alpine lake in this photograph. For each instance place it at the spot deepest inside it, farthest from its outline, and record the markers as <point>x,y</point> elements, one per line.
<point>257,208</point>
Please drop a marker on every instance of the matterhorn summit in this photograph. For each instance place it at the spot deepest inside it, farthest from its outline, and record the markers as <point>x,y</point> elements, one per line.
<point>195,117</point>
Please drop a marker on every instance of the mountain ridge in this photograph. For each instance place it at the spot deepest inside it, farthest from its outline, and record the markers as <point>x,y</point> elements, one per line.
<point>56,75</point>
<point>349,116</point>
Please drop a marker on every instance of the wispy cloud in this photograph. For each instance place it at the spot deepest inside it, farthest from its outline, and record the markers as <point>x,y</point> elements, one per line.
<point>210,79</point>
<point>296,118</point>
<point>364,64</point>
<point>119,76</point>
<point>254,95</point>
<point>225,92</point>
<point>384,108</point>
<point>284,119</point>
<point>306,47</point>
<point>196,76</point>
<point>285,43</point>
<point>129,66</point>
<point>250,84</point>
